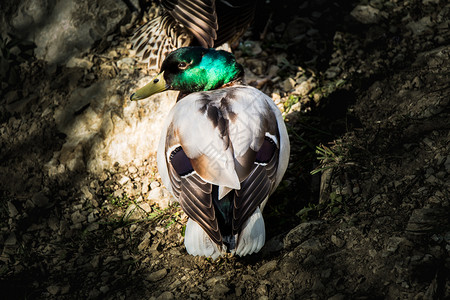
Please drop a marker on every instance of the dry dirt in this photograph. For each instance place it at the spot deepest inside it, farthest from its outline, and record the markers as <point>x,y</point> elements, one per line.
<point>365,93</point>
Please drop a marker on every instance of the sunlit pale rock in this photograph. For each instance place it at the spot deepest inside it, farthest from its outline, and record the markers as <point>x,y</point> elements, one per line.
<point>103,128</point>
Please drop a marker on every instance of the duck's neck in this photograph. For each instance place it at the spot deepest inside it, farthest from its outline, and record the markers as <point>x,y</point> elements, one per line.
<point>238,81</point>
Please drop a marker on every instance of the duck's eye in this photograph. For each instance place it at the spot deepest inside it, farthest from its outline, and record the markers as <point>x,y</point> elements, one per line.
<point>182,65</point>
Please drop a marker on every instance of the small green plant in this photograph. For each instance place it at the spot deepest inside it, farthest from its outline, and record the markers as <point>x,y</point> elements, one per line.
<point>292,99</point>
<point>119,201</point>
<point>307,212</point>
<point>325,90</point>
<point>172,214</point>
<point>331,157</point>
<point>328,159</point>
<point>174,218</point>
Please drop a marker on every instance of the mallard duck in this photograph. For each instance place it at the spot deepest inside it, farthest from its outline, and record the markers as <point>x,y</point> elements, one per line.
<point>223,150</point>
<point>207,23</point>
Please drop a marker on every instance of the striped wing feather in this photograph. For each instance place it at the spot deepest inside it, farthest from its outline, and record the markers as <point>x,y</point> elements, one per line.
<point>254,190</point>
<point>196,200</point>
<point>181,22</point>
<point>234,18</point>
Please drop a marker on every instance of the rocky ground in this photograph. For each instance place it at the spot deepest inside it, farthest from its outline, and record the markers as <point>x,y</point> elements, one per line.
<point>362,213</point>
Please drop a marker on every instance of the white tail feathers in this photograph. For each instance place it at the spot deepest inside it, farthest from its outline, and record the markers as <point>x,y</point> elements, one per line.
<point>197,242</point>
<point>250,240</point>
<point>253,235</point>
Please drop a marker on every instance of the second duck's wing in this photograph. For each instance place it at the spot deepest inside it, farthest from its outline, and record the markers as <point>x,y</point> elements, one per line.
<point>154,40</point>
<point>234,17</point>
<point>198,16</point>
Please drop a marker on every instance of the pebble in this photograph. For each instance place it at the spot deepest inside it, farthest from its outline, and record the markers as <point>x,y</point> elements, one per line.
<point>11,96</point>
<point>214,280</point>
<point>313,244</point>
<point>53,223</point>
<point>93,227</point>
<point>219,290</point>
<point>166,296</point>
<point>273,71</point>
<point>238,291</point>
<point>267,267</point>
<point>337,241</point>
<point>304,87</point>
<point>393,243</point>
<point>87,194</point>
<point>262,290</point>
<point>251,47</point>
<point>145,186</point>
<point>157,275</point>
<point>145,207</point>
<point>95,261</point>
<point>137,212</point>
<point>65,289</point>
<point>300,233</point>
<point>125,63</point>
<point>77,217</point>
<point>53,289</point>
<point>79,63</point>
<point>12,210</point>
<point>421,26</point>
<point>123,180</point>
<point>93,294</point>
<point>309,260</point>
<point>144,242</point>
<point>274,244</point>
<point>366,14</point>
<point>40,200</point>
<point>325,274</point>
<point>11,240</point>
<point>337,297</point>
<point>288,84</point>
<point>154,184</point>
<point>91,217</point>
<point>160,196</point>
<point>132,169</point>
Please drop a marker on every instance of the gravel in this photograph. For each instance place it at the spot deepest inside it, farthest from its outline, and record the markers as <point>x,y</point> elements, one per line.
<point>82,222</point>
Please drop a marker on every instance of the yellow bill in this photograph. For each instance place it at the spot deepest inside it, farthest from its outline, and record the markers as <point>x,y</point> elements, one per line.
<point>157,85</point>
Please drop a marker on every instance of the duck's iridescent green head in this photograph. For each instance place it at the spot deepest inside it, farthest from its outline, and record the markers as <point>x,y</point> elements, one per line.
<point>193,69</point>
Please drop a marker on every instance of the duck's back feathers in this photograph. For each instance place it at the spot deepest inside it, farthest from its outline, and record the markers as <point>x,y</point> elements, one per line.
<point>224,153</point>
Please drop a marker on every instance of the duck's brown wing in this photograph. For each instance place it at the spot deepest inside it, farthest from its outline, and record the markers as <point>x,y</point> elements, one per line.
<point>198,16</point>
<point>196,199</point>
<point>255,189</point>
<point>234,17</point>
<point>154,40</point>
<point>182,22</point>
